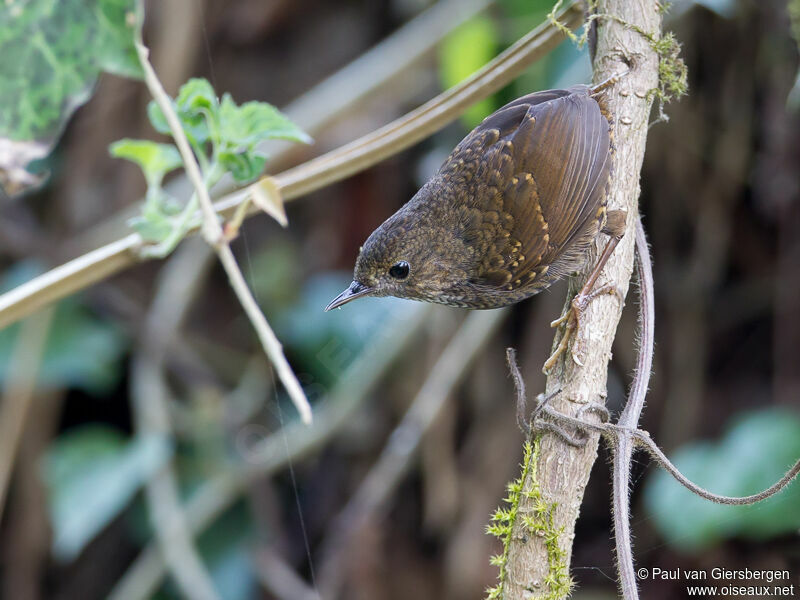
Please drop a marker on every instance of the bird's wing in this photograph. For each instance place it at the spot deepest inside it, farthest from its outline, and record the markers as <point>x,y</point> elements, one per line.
<point>544,171</point>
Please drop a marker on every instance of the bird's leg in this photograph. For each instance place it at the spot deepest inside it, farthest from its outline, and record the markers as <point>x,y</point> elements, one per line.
<point>615,227</point>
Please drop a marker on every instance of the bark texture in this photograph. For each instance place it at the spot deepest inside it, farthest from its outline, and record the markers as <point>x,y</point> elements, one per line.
<point>541,543</point>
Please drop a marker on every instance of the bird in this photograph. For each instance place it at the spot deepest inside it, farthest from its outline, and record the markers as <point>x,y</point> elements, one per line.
<point>514,208</point>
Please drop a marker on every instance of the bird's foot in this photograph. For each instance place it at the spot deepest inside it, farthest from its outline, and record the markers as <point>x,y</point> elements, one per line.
<point>571,321</point>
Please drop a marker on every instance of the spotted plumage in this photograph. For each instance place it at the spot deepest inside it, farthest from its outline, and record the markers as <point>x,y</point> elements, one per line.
<point>514,208</point>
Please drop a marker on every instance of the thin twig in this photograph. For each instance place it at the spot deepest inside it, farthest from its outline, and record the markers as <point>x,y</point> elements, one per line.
<point>629,419</point>
<point>396,458</point>
<point>212,230</point>
<point>379,69</point>
<point>644,440</point>
<point>19,390</point>
<point>519,387</point>
<point>98,264</point>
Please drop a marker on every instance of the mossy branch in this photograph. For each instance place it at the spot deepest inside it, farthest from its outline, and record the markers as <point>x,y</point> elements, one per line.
<point>561,470</point>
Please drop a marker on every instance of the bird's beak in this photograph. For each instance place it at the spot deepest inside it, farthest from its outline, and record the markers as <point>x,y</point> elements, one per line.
<point>356,290</point>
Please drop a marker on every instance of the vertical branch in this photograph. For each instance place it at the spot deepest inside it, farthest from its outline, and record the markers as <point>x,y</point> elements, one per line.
<point>538,556</point>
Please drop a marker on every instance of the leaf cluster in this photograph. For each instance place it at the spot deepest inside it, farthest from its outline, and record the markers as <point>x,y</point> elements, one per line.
<point>224,137</point>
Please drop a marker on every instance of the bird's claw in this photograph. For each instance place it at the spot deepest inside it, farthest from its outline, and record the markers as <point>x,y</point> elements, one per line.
<point>571,320</point>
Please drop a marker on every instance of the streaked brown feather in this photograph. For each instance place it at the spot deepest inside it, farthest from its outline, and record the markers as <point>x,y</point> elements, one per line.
<point>551,155</point>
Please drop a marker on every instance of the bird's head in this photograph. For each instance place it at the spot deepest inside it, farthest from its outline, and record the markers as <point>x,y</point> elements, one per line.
<point>409,256</point>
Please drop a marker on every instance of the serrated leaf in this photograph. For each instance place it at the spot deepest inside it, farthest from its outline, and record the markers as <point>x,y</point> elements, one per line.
<point>91,474</point>
<point>196,105</point>
<point>752,455</point>
<point>52,52</point>
<point>244,126</point>
<point>156,160</point>
<point>194,124</point>
<point>197,95</point>
<point>244,166</point>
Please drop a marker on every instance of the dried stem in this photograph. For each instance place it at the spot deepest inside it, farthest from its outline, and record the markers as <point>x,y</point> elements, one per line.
<point>644,441</point>
<point>212,231</point>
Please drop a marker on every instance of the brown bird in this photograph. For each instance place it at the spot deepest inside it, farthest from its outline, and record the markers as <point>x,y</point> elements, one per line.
<point>514,208</point>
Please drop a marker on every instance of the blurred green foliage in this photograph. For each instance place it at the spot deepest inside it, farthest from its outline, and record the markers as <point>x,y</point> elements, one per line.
<point>323,344</point>
<point>91,474</point>
<point>463,52</point>
<point>479,40</point>
<point>226,549</point>
<point>752,455</point>
<point>52,52</point>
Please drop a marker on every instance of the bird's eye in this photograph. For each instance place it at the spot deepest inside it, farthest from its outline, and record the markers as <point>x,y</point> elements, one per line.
<point>399,270</point>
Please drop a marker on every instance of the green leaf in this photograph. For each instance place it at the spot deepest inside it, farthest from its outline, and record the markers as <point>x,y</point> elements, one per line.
<point>754,454</point>
<point>196,106</point>
<point>156,160</point>
<point>153,229</point>
<point>243,166</point>
<point>197,96</point>
<point>462,52</point>
<point>91,475</point>
<point>52,53</point>
<point>244,126</point>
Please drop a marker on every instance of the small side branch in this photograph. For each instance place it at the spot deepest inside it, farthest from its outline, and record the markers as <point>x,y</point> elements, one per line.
<point>212,231</point>
<point>644,440</point>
